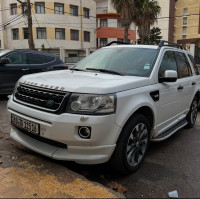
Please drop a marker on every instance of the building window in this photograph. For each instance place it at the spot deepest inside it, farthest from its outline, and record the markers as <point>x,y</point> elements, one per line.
<point>60,33</point>
<point>13,8</point>
<point>73,10</point>
<point>86,36</point>
<point>103,42</point>
<point>184,20</point>
<point>40,7</point>
<point>103,23</point>
<point>41,33</point>
<point>119,23</point>
<point>86,13</point>
<point>59,8</point>
<point>184,30</point>
<point>25,30</point>
<point>74,35</point>
<point>15,34</point>
<point>24,8</point>
<point>183,36</point>
<point>185,12</point>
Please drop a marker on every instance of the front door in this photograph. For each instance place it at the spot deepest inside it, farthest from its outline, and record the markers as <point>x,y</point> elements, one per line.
<point>171,104</point>
<point>12,72</point>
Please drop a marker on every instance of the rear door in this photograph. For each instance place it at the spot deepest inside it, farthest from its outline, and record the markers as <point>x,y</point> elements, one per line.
<point>186,80</point>
<point>11,73</point>
<point>37,63</point>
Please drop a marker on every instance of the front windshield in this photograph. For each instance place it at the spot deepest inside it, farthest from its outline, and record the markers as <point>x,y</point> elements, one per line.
<point>3,52</point>
<point>124,60</point>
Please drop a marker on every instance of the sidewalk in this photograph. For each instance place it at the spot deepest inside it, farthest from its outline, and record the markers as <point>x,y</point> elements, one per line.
<point>29,183</point>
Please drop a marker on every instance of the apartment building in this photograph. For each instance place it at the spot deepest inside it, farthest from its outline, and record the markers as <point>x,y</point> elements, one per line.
<point>187,19</point>
<point>66,27</point>
<point>186,25</point>
<point>109,27</point>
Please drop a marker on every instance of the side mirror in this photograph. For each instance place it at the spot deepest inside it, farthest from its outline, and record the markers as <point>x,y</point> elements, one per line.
<point>4,61</point>
<point>169,76</point>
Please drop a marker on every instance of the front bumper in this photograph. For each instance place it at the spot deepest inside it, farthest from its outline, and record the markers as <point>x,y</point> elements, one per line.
<point>64,129</point>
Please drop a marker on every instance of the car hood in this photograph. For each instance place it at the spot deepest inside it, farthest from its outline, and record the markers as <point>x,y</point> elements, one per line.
<point>85,82</point>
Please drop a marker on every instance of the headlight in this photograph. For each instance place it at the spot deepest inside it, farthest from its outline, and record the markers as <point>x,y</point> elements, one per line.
<point>91,104</point>
<point>16,85</point>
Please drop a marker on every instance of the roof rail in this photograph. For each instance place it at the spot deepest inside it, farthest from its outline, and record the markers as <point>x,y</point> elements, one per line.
<point>162,43</point>
<point>117,42</point>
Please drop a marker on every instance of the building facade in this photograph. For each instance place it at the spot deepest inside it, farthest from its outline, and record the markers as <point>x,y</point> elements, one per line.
<point>163,21</point>
<point>109,27</point>
<point>66,27</point>
<point>186,25</point>
<point>187,20</point>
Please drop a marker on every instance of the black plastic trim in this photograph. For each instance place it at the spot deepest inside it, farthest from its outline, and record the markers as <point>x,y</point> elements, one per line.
<point>155,95</point>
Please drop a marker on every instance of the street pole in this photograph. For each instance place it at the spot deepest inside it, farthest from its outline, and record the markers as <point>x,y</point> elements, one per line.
<point>30,26</point>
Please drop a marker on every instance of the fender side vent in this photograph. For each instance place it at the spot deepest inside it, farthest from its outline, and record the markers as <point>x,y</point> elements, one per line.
<point>155,95</point>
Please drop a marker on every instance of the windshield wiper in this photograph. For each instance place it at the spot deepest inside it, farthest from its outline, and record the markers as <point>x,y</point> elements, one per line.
<point>76,69</point>
<point>105,71</point>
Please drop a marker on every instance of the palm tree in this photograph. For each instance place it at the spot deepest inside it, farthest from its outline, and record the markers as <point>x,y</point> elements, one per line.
<point>126,10</point>
<point>146,13</point>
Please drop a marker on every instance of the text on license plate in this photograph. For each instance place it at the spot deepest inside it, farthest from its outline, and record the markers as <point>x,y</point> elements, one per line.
<point>25,124</point>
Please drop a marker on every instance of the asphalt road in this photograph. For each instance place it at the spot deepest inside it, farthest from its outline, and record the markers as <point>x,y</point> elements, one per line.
<point>170,165</point>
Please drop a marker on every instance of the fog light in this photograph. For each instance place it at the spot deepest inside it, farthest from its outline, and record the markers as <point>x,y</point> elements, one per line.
<point>84,132</point>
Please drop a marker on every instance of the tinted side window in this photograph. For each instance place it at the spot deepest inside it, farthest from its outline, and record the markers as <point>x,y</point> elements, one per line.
<point>37,59</point>
<point>168,63</point>
<point>50,59</point>
<point>194,65</point>
<point>17,58</point>
<point>183,65</point>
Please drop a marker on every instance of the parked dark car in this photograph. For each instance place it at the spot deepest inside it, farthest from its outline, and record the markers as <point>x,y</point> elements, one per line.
<point>16,63</point>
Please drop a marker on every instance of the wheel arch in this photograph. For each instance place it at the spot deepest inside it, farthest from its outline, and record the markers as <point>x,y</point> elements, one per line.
<point>147,112</point>
<point>197,95</point>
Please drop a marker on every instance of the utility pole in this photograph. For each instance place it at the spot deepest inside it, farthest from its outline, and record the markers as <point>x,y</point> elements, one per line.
<point>30,24</point>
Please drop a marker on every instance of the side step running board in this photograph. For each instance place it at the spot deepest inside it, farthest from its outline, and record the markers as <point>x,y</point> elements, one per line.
<point>170,131</point>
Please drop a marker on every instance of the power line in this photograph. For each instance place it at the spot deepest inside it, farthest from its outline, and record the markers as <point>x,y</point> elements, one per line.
<point>39,27</point>
<point>197,14</point>
<point>11,21</point>
<point>105,13</point>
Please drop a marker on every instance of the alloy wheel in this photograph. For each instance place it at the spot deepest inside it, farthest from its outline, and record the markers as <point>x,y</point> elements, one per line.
<point>137,144</point>
<point>194,110</point>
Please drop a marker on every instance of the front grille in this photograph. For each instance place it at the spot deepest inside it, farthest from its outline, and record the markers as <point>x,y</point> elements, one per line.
<point>46,99</point>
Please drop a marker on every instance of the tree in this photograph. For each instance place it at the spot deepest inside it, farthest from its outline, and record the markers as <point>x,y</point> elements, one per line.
<point>154,37</point>
<point>126,10</point>
<point>146,13</point>
<point>42,47</point>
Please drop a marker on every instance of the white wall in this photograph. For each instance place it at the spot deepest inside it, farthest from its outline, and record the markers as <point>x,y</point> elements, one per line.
<point>163,24</point>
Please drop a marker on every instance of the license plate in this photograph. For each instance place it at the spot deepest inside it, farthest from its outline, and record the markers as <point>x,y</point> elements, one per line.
<point>26,125</point>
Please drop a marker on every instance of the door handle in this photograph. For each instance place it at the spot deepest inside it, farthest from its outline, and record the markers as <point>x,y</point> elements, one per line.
<point>25,69</point>
<point>193,83</point>
<point>180,87</point>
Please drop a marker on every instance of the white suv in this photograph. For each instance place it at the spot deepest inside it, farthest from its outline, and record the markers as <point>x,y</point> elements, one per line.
<point>109,106</point>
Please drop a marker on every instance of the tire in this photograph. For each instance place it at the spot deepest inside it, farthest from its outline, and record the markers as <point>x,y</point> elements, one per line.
<point>192,114</point>
<point>132,145</point>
